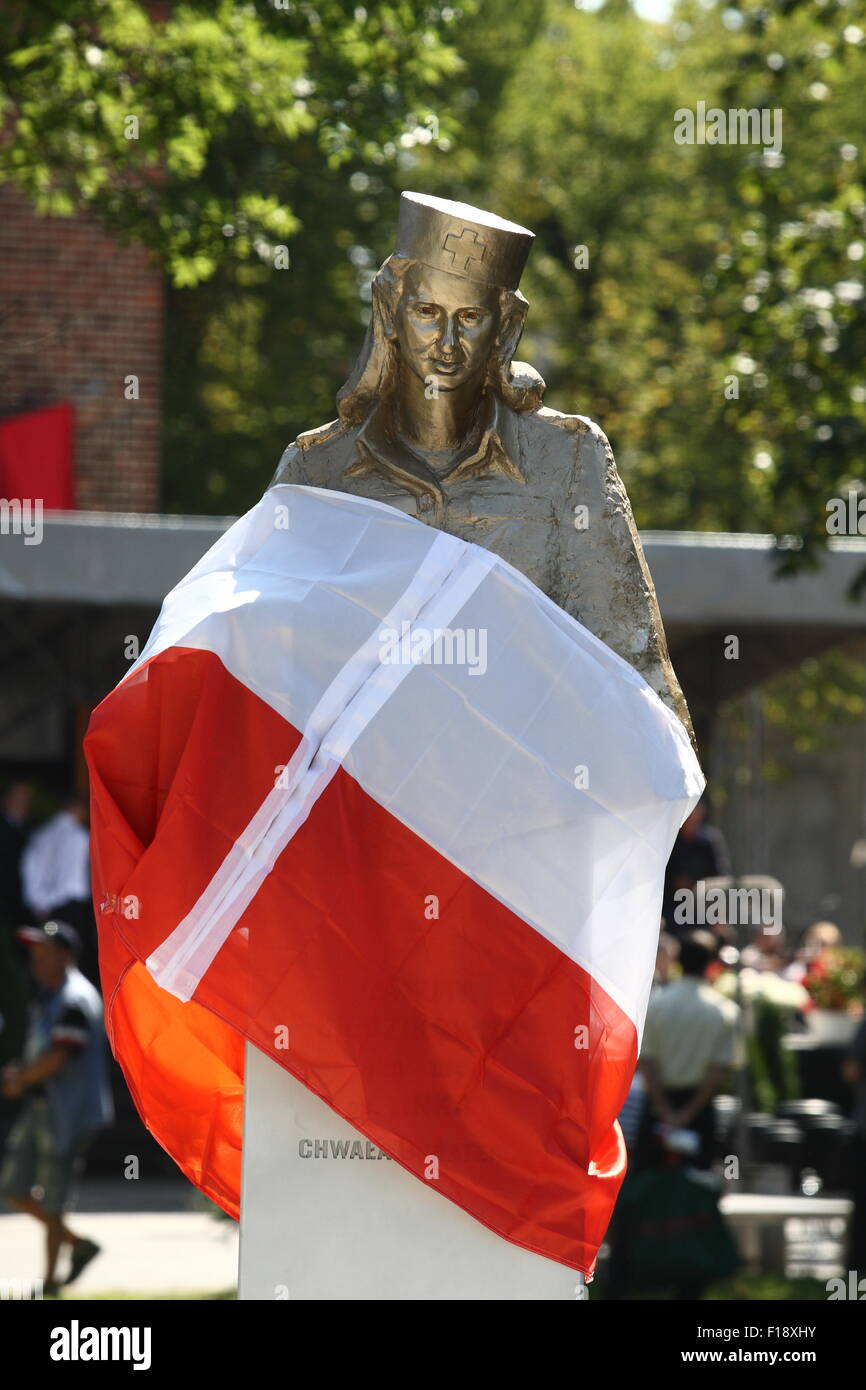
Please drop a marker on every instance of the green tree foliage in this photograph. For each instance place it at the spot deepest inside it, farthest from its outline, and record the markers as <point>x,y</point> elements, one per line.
<point>253,148</point>
<point>176,122</point>
<point>787,282</point>
<point>811,704</point>
<point>704,301</point>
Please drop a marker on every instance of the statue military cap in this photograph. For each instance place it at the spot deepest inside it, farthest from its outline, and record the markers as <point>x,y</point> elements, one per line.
<point>462,240</point>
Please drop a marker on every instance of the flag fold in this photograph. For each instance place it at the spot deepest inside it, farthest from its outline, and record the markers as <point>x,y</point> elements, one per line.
<point>373,802</point>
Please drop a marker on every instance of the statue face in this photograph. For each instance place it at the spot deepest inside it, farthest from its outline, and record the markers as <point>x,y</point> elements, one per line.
<point>446,326</point>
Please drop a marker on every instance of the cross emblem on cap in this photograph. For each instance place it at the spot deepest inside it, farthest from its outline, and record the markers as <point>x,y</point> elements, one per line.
<point>464,248</point>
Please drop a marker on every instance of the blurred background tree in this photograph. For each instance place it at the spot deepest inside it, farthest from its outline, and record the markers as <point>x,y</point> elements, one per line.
<point>252,147</point>
<point>704,301</point>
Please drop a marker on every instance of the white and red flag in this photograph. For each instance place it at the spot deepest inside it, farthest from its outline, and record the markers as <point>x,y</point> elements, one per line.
<point>372,801</point>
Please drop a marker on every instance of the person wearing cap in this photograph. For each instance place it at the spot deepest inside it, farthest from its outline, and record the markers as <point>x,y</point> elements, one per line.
<point>439,421</point>
<point>62,1081</point>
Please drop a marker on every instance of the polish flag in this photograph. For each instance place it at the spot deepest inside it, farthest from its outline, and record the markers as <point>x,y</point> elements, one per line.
<point>372,801</point>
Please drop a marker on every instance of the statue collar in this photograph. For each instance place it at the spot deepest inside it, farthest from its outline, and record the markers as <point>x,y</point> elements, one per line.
<point>498,452</point>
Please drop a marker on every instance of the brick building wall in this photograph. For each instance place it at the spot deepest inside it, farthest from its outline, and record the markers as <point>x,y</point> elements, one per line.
<point>80,313</point>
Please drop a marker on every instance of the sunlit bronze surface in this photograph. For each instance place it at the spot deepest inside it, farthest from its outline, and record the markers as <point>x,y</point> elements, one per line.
<point>438,420</point>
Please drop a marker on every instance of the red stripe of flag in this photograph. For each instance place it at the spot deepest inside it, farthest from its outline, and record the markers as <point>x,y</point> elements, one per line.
<point>463,1044</point>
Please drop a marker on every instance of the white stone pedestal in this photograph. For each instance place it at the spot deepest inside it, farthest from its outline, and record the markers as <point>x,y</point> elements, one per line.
<point>315,1225</point>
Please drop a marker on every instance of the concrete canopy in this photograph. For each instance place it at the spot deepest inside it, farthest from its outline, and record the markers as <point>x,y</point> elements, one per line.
<point>711,586</point>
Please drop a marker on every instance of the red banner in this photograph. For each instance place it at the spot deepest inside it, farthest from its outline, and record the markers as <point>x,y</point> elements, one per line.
<point>36,457</point>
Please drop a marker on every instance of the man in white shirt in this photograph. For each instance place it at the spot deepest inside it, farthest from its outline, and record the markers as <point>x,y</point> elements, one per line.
<point>55,876</point>
<point>55,866</point>
<point>690,1045</point>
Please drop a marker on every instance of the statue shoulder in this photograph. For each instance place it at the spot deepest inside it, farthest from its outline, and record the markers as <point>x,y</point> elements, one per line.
<point>578,425</point>
<point>593,456</point>
<point>305,456</point>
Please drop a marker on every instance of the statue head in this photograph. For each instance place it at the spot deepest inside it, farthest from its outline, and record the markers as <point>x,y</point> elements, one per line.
<point>446,307</point>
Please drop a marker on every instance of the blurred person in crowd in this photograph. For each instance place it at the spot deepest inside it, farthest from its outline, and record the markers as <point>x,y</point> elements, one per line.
<point>632,1113</point>
<point>767,950</point>
<point>820,937</point>
<point>690,1046</point>
<point>666,957</point>
<point>699,852</point>
<point>55,872</point>
<point>854,1071</point>
<point>62,1081</point>
<point>55,867</point>
<point>15,828</point>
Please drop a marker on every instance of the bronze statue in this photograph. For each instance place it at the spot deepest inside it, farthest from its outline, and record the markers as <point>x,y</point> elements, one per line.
<point>438,420</point>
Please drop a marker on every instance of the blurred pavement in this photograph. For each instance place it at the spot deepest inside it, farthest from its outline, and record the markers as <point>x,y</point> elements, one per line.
<point>157,1244</point>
